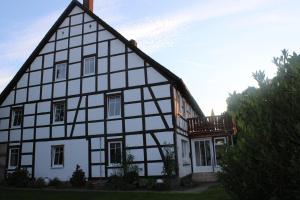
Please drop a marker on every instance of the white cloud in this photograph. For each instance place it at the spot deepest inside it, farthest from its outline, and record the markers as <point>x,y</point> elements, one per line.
<point>155,32</point>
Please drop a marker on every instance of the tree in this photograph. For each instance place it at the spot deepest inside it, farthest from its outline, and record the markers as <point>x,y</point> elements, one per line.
<point>265,162</point>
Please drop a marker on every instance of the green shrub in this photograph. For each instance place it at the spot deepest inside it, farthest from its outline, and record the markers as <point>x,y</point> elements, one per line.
<point>265,162</point>
<point>55,182</point>
<point>37,183</point>
<point>19,178</point>
<point>169,162</point>
<point>78,178</point>
<point>116,182</point>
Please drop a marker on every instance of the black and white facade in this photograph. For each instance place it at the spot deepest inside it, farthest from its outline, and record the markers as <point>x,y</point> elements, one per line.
<point>87,96</point>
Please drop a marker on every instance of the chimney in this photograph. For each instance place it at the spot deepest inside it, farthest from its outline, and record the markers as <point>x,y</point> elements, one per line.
<point>88,4</point>
<point>133,42</point>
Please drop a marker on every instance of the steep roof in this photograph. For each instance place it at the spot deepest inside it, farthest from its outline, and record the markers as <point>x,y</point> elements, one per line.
<point>175,80</point>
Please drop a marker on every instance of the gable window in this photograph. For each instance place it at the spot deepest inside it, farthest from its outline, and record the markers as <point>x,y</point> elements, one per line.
<point>60,71</point>
<point>14,154</point>
<point>114,106</point>
<point>115,153</point>
<point>57,156</point>
<point>59,111</point>
<point>185,151</point>
<point>89,66</point>
<point>17,115</point>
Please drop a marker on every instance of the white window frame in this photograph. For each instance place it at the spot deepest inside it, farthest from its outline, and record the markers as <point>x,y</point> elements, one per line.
<point>57,66</point>
<point>13,116</point>
<point>109,116</point>
<point>53,154</point>
<point>10,154</point>
<point>185,152</point>
<point>94,65</point>
<point>54,112</point>
<point>109,156</point>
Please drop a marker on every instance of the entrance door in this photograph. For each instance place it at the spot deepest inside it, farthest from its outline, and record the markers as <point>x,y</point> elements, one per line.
<point>202,159</point>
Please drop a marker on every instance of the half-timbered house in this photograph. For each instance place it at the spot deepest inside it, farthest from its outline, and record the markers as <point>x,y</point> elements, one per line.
<point>88,96</point>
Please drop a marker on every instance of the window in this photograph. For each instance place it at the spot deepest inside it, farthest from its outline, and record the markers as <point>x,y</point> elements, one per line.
<point>115,152</point>
<point>185,151</point>
<point>114,106</point>
<point>57,156</point>
<point>59,111</point>
<point>17,114</point>
<point>203,153</point>
<point>219,148</point>
<point>14,157</point>
<point>60,73</point>
<point>89,66</point>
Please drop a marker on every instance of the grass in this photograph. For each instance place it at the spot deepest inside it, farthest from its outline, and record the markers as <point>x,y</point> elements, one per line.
<point>213,193</point>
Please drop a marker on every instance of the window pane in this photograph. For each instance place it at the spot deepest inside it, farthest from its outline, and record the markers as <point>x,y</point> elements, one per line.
<point>57,155</point>
<point>208,157</point>
<point>114,105</point>
<point>17,116</point>
<point>197,149</point>
<point>59,109</point>
<point>14,157</point>
<point>89,65</point>
<point>61,71</point>
<point>115,153</point>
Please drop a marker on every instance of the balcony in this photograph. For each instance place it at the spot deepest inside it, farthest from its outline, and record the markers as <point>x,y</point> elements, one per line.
<point>219,125</point>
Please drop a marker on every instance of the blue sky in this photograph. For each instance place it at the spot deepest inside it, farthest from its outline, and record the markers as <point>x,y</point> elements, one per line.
<point>214,46</point>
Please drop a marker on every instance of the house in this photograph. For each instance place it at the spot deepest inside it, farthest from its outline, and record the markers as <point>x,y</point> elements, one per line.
<point>88,96</point>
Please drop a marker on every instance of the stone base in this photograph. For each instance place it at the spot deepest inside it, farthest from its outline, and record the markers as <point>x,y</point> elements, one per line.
<point>205,177</point>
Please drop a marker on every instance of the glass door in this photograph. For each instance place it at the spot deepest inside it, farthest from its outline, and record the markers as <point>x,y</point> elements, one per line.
<point>202,151</point>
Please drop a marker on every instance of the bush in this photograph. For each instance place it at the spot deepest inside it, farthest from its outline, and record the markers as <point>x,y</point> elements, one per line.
<point>264,164</point>
<point>55,182</point>
<point>38,183</point>
<point>78,178</point>
<point>169,162</point>
<point>116,182</point>
<point>19,178</point>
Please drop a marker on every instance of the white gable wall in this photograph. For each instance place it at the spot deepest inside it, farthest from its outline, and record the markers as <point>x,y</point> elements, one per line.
<point>146,100</point>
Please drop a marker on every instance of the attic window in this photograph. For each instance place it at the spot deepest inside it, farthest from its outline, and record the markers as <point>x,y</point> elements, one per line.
<point>89,66</point>
<point>17,115</point>
<point>60,72</point>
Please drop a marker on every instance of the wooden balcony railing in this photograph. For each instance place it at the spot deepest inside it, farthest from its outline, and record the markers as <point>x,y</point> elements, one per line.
<point>209,126</point>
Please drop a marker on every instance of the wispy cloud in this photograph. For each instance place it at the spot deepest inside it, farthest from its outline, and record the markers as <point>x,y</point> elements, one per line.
<point>154,33</point>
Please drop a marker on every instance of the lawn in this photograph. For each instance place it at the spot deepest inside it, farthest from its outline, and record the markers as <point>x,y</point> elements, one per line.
<point>212,193</point>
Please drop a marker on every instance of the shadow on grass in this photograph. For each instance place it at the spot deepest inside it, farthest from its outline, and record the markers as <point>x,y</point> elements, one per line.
<point>213,193</point>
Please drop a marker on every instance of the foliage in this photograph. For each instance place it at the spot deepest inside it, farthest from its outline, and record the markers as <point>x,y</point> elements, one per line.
<point>78,178</point>
<point>55,182</point>
<point>127,178</point>
<point>130,171</point>
<point>37,183</point>
<point>264,164</point>
<point>19,178</point>
<point>169,162</point>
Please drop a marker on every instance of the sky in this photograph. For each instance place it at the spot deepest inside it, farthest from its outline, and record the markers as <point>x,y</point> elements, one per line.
<point>213,45</point>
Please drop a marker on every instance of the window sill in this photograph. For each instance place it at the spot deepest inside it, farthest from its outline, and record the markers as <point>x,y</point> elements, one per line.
<point>58,123</point>
<point>114,165</point>
<point>57,167</point>
<point>186,163</point>
<point>114,117</point>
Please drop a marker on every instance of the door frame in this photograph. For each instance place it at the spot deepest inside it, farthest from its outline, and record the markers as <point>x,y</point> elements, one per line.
<point>209,168</point>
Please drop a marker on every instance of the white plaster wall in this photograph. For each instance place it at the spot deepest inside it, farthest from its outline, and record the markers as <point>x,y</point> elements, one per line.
<point>183,166</point>
<point>134,140</point>
<point>154,76</point>
<point>75,152</point>
<point>155,169</point>
<point>136,77</point>
<point>134,124</point>
<point>132,95</point>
